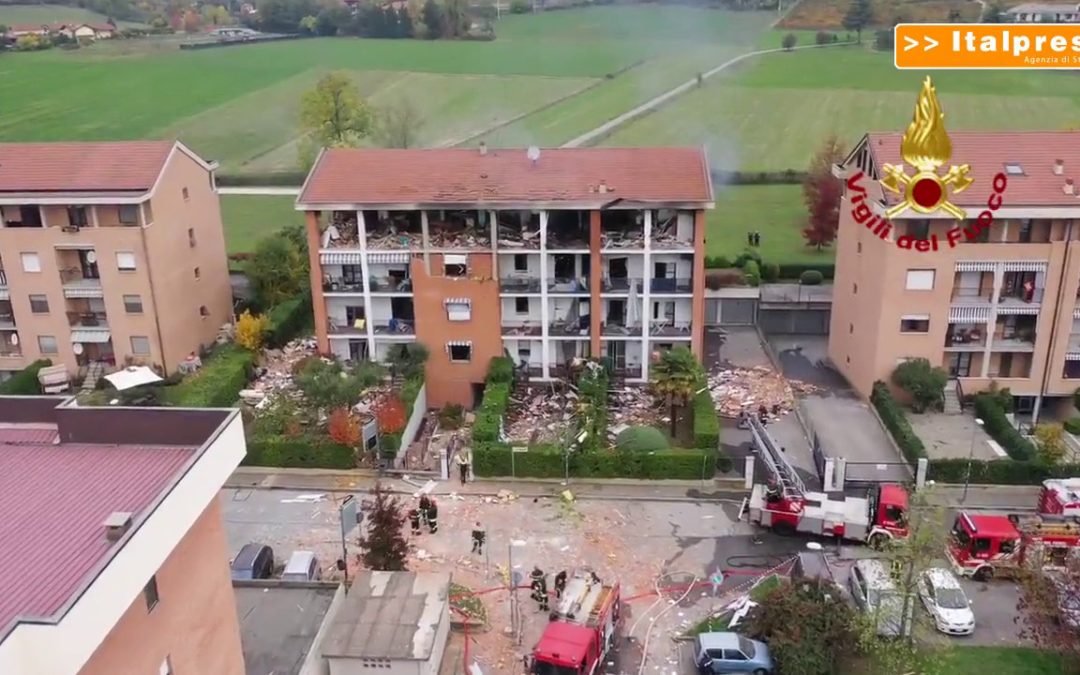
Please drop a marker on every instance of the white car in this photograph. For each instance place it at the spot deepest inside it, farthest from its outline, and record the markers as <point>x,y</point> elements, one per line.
<point>945,600</point>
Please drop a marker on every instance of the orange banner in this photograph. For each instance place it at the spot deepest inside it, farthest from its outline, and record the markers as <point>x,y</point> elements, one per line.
<point>992,46</point>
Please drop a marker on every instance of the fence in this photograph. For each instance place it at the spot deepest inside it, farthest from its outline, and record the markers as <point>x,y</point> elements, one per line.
<point>412,427</point>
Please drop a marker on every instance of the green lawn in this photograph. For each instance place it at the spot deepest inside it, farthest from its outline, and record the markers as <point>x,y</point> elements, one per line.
<point>249,218</point>
<point>16,14</point>
<point>776,211</point>
<point>1002,661</point>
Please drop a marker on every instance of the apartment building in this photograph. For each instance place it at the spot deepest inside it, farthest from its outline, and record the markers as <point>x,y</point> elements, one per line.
<point>110,253</point>
<point>545,255</point>
<point>1003,306</point>
<point>115,558</point>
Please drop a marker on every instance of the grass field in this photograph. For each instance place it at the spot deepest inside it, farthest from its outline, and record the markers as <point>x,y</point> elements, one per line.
<point>249,218</point>
<point>1002,660</point>
<point>35,14</point>
<point>776,211</point>
<point>774,113</point>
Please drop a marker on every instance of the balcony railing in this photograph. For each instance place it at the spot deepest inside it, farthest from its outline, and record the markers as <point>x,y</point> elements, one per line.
<point>619,285</point>
<point>670,330</point>
<point>1034,296</point>
<point>621,330</point>
<point>75,277</point>
<point>3,278</point>
<point>87,319</point>
<point>519,285</point>
<point>339,285</point>
<point>962,339</point>
<point>390,285</point>
<point>565,285</point>
<point>7,319</point>
<point>523,328</point>
<point>1018,341</point>
<point>681,285</point>
<point>971,295</point>
<point>394,327</point>
<point>559,328</point>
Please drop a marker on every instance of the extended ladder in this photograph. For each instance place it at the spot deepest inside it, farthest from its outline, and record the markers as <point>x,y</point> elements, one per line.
<point>787,479</point>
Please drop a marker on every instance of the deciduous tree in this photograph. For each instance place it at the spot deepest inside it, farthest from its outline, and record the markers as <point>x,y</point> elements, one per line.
<point>192,21</point>
<point>250,330</point>
<point>278,270</point>
<point>433,20</point>
<point>333,114</point>
<point>1048,613</point>
<point>344,428</point>
<point>821,194</point>
<point>925,383</point>
<point>859,15</point>
<point>390,413</point>
<point>384,547</point>
<point>399,124</point>
<point>309,25</point>
<point>1050,443</point>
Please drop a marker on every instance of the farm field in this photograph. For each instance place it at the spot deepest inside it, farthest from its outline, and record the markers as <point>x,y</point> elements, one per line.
<point>776,211</point>
<point>1005,660</point>
<point>249,218</point>
<point>774,114</point>
<point>18,14</point>
<point>829,14</point>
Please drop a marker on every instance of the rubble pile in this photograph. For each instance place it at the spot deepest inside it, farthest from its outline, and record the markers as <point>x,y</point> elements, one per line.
<point>633,406</point>
<point>623,239</point>
<point>464,233</point>
<point>737,389</point>
<point>518,236</point>
<point>567,238</point>
<point>664,236</point>
<point>540,415</point>
<point>341,232</point>
<point>274,376</point>
<point>391,238</point>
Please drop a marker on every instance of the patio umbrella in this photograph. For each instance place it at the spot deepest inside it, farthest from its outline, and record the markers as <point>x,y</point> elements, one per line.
<point>633,309</point>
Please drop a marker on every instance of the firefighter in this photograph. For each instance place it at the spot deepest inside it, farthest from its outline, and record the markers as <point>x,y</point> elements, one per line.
<point>560,584</point>
<point>425,506</point>
<point>539,588</point>
<point>414,520</point>
<point>478,537</point>
<point>433,516</point>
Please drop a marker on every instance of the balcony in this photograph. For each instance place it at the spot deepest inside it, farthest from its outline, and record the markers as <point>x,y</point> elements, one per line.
<point>568,286</point>
<point>459,230</point>
<point>614,329</point>
<point>1020,297</point>
<point>619,285</point>
<point>390,284</point>
<point>622,230</point>
<point>518,230</point>
<point>399,230</point>
<point>672,230</point>
<point>568,230</point>
<point>394,327</point>
<point>81,282</point>
<point>519,285</point>
<point>963,337</point>
<point>1014,333</point>
<point>669,285</point>
<point>340,285</point>
<point>3,279</point>
<point>88,320</point>
<point>521,329</point>
<point>675,330</point>
<point>7,315</point>
<point>969,296</point>
<point>569,327</point>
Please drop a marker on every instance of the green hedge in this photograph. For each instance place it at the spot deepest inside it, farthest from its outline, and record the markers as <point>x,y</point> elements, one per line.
<point>501,369</point>
<point>1072,425</point>
<point>490,412</point>
<point>25,382</point>
<point>275,178</point>
<point>299,453</point>
<point>288,320</point>
<point>217,384</point>
<point>998,471</point>
<point>828,271</point>
<point>989,410</point>
<point>784,177</point>
<point>547,462</point>
<point>893,416</point>
<point>706,422</point>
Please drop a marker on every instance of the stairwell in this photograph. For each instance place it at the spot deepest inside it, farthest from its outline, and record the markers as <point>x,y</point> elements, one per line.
<point>953,404</point>
<point>94,372</point>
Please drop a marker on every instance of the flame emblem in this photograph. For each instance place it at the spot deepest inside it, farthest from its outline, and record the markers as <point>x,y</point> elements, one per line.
<point>926,147</point>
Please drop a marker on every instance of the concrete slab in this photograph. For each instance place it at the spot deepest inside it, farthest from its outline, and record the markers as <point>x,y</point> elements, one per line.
<point>952,436</point>
<point>278,625</point>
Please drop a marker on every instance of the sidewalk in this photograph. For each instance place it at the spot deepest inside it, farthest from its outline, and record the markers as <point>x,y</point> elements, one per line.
<point>993,497</point>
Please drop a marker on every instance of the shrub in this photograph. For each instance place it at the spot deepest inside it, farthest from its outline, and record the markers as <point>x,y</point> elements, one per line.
<point>753,272</point>
<point>451,416</point>
<point>924,382</point>
<point>716,279</point>
<point>770,272</point>
<point>641,439</point>
<point>343,428</point>
<point>706,422</point>
<point>1072,425</point>
<point>1050,443</point>
<point>391,414</point>
<point>250,329</point>
<point>989,409</point>
<point>893,416</point>
<point>299,453</point>
<point>810,278</point>
<point>288,320</point>
<point>25,382</point>
<point>224,373</point>
<point>716,262</point>
<point>998,471</point>
<point>748,254</point>
<point>795,271</point>
<point>490,412</point>
<point>501,369</point>
<point>788,43</point>
<point>548,462</point>
<point>824,37</point>
<point>520,7</point>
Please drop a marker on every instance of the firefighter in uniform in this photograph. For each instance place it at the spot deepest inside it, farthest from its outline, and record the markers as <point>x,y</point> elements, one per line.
<point>425,506</point>
<point>560,584</point>
<point>539,588</point>
<point>414,520</point>
<point>433,516</point>
<point>478,540</point>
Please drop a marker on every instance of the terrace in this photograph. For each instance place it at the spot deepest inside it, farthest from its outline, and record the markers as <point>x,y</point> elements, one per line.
<point>1021,288</point>
<point>518,229</point>
<point>568,230</point>
<point>79,273</point>
<point>1014,333</point>
<point>622,229</point>
<point>75,217</point>
<point>620,320</point>
<point>458,229</point>
<point>519,285</point>
<point>7,316</point>
<point>393,230</point>
<point>965,337</point>
<point>87,313</point>
<point>672,229</point>
<point>973,287</point>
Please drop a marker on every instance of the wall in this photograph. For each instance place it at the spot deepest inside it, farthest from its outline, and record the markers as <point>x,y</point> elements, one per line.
<point>315,664</point>
<point>420,408</point>
<point>510,316</point>
<point>535,347</point>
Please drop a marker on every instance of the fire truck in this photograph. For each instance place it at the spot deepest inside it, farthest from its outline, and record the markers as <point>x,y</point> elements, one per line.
<point>1060,496</point>
<point>582,628</point>
<point>785,505</point>
<point>985,546</point>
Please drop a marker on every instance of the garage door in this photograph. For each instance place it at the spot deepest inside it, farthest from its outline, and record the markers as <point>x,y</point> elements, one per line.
<point>794,321</point>
<point>737,311</point>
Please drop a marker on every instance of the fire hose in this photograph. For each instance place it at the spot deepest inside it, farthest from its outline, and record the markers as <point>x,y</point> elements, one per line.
<point>652,621</point>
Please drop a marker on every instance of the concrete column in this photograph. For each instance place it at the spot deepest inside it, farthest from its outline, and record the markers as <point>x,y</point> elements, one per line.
<point>545,341</point>
<point>748,473</point>
<point>697,310</point>
<point>595,273</point>
<point>318,302</point>
<point>991,322</point>
<point>920,472</point>
<point>94,215</point>
<point>646,300</point>
<point>369,325</point>
<point>493,227</point>
<point>425,243</point>
<point>829,481</point>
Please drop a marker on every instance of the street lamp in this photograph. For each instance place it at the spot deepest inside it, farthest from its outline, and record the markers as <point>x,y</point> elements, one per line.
<point>971,456</point>
<point>514,627</point>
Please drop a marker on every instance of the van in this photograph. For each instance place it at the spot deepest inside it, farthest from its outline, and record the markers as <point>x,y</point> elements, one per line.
<point>302,566</point>
<point>254,561</point>
<point>876,594</point>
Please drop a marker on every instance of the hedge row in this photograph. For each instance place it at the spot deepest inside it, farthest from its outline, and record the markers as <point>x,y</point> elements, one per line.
<point>25,382</point>
<point>998,471</point>
<point>706,422</point>
<point>896,421</point>
<point>299,453</point>
<point>548,462</point>
<point>496,398</point>
<point>288,320</point>
<point>224,373</point>
<point>989,410</point>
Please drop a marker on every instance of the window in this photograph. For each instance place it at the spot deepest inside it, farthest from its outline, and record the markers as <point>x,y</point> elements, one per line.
<point>150,594</point>
<point>915,324</point>
<point>31,262</point>
<point>458,310</point>
<point>129,214</point>
<point>198,274</point>
<point>521,305</point>
<point>133,304</point>
<point>125,261</point>
<point>521,262</point>
<point>460,352</point>
<point>981,545</point>
<point>184,192</point>
<point>203,311</point>
<point>920,280</point>
<point>140,345</point>
<point>47,344</point>
<point>919,229</point>
<point>858,247</point>
<point>166,667</point>
<point>854,289</point>
<point>733,655</point>
<point>1025,230</point>
<point>1014,169</point>
<point>851,329</point>
<point>191,237</point>
<point>455,265</point>
<point>39,304</point>
<point>76,216</point>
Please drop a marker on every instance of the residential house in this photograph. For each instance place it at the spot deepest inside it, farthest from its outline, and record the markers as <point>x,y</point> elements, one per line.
<point>1043,13</point>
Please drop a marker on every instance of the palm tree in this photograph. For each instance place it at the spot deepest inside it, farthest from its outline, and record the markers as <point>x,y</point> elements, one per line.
<point>677,375</point>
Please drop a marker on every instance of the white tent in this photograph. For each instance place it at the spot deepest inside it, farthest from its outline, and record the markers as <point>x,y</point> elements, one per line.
<point>132,376</point>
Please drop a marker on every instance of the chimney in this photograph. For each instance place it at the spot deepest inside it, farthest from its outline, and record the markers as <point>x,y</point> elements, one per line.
<point>117,524</point>
<point>603,187</point>
<point>483,148</point>
<point>1059,167</point>
<point>1069,188</point>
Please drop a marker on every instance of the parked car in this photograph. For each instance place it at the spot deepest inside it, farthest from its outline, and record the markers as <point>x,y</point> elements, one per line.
<point>302,566</point>
<point>1068,601</point>
<point>944,598</point>
<point>876,594</point>
<point>731,653</point>
<point>254,561</point>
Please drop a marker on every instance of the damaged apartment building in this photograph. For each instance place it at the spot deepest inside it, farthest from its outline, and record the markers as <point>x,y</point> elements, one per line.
<point>547,256</point>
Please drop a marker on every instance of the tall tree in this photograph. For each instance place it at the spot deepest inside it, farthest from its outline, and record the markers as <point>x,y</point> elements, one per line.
<point>807,626</point>
<point>456,18</point>
<point>859,15</point>
<point>278,270</point>
<point>405,24</point>
<point>676,376</point>
<point>433,20</point>
<point>993,14</point>
<point>399,124</point>
<point>333,115</point>
<point>384,547</point>
<point>821,194</point>
<point>1048,613</point>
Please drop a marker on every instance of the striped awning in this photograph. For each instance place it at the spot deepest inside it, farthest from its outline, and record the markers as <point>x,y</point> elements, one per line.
<point>83,292</point>
<point>389,258</point>
<point>458,301</point>
<point>90,335</point>
<point>1072,356</point>
<point>458,343</point>
<point>1025,266</point>
<point>1076,313</point>
<point>340,258</point>
<point>974,266</point>
<point>969,314</point>
<point>1017,310</point>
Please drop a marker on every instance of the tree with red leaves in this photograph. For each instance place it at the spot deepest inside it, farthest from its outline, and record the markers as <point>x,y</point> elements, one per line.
<point>821,193</point>
<point>1048,613</point>
<point>385,548</point>
<point>390,412</point>
<point>343,428</point>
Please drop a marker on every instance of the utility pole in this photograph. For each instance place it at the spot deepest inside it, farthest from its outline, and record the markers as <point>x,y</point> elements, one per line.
<point>347,513</point>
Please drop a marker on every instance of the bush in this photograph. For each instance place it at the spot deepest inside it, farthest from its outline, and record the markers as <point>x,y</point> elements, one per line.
<point>893,416</point>
<point>745,256</point>
<point>784,177</point>
<point>753,272</point>
<point>789,41</point>
<point>288,320</point>
<point>490,413</point>
<point>520,7</point>
<point>451,416</point>
<point>717,279</point>
<point>883,41</point>
<point>824,37</point>
<point>998,471</point>
<point>250,329</point>
<point>1072,425</point>
<point>501,369</point>
<point>716,262</point>
<point>924,382</point>
<point>25,382</point>
<point>706,422</point>
<point>770,272</point>
<point>548,462</point>
<point>224,373</point>
<point>811,278</point>
<point>304,453</point>
<point>641,439</point>
<point>989,409</point>
<point>795,271</point>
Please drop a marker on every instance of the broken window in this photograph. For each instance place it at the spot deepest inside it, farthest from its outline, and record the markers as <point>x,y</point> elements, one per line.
<point>460,352</point>
<point>76,216</point>
<point>455,265</point>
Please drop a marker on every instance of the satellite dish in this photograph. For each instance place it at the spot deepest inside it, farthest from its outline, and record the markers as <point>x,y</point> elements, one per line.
<point>91,257</point>
<point>77,348</point>
<point>14,338</point>
<point>533,153</point>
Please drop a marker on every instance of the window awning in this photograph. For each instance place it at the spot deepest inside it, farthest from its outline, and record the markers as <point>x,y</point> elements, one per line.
<point>458,301</point>
<point>458,343</point>
<point>1025,266</point>
<point>340,258</point>
<point>90,336</point>
<point>974,266</point>
<point>389,258</point>
<point>1018,310</point>
<point>455,259</point>
<point>973,314</point>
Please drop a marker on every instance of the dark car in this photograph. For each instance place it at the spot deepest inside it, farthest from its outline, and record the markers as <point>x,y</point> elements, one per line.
<point>254,561</point>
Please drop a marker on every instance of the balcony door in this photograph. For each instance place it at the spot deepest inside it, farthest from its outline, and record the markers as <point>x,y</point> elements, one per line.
<point>960,364</point>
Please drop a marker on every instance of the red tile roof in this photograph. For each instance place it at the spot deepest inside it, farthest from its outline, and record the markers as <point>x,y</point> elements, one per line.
<point>29,434</point>
<point>464,176</point>
<point>988,152</point>
<point>82,167</point>
<point>54,500</point>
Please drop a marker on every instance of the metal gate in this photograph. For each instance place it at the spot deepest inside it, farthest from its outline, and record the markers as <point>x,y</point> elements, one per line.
<point>736,311</point>
<point>794,321</point>
<point>866,474</point>
<point>819,458</point>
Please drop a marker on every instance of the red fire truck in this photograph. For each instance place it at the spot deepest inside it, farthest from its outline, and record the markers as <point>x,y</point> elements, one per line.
<point>1060,496</point>
<point>582,628</point>
<point>985,546</point>
<point>786,506</point>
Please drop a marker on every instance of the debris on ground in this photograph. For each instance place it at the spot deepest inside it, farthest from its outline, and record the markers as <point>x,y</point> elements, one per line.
<point>275,374</point>
<point>458,233</point>
<point>541,414</point>
<point>634,406</point>
<point>737,389</point>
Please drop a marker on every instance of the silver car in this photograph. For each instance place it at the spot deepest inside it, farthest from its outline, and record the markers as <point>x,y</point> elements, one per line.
<point>875,594</point>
